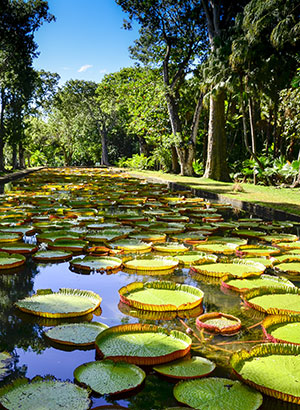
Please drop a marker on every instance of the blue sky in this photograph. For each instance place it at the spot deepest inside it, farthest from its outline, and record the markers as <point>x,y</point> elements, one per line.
<point>86,41</point>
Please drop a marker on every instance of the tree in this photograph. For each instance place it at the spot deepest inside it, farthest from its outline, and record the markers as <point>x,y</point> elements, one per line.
<point>172,38</point>
<point>18,22</point>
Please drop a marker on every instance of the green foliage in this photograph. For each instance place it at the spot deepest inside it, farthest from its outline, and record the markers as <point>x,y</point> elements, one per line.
<point>137,161</point>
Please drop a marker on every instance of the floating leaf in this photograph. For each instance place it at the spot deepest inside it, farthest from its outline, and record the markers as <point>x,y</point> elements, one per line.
<point>289,267</point>
<point>161,296</point>
<point>258,250</point>
<point>274,301</point>
<point>187,369</point>
<point>9,237</point>
<point>243,285</point>
<point>9,261</point>
<point>142,344</point>
<point>132,245</point>
<point>76,334</point>
<point>52,256</point>
<point>19,248</point>
<point>282,329</point>
<point>108,377</point>
<point>93,263</point>
<point>271,368</point>
<point>170,247</point>
<point>217,394</point>
<point>64,303</point>
<point>218,322</point>
<point>193,258</point>
<point>239,268</point>
<point>73,245</point>
<point>151,264</point>
<point>46,394</point>
<point>225,248</point>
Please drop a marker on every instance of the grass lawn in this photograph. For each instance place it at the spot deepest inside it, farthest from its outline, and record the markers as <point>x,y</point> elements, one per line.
<point>284,199</point>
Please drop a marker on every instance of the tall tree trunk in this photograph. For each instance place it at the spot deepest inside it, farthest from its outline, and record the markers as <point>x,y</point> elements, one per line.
<point>253,141</point>
<point>216,164</point>
<point>175,163</point>
<point>2,130</point>
<point>21,155</point>
<point>15,164</point>
<point>104,154</point>
<point>143,146</point>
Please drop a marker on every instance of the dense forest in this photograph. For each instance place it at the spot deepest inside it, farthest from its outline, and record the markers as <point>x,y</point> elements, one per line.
<point>214,92</point>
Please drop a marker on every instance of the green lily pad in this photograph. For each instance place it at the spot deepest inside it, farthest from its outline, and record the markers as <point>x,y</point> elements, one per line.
<point>258,250</point>
<point>271,368</point>
<point>132,245</point>
<point>98,264</point>
<point>142,344</point>
<point>5,364</point>
<point>108,377</point>
<point>274,300</point>
<point>225,248</point>
<point>22,248</point>
<point>9,237</point>
<point>289,245</point>
<point>282,329</point>
<point>52,256</point>
<point>46,394</point>
<point>167,228</point>
<point>9,261</point>
<point>240,268</point>
<point>161,296</point>
<point>218,322</point>
<point>22,229</point>
<point>193,258</point>
<point>195,367</point>
<point>243,285</point>
<point>226,239</point>
<point>73,245</point>
<point>170,247</point>
<point>52,236</point>
<point>217,394</point>
<point>282,237</point>
<point>248,233</point>
<point>289,267</point>
<point>287,257</point>
<point>107,235</point>
<point>149,237</point>
<point>151,264</point>
<point>64,303</point>
<point>76,334</point>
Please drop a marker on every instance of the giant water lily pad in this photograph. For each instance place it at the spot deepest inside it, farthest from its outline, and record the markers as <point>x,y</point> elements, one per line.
<point>274,300</point>
<point>98,264</point>
<point>21,229</point>
<point>289,267</point>
<point>218,322</point>
<point>243,285</point>
<point>76,334</point>
<point>109,377</point>
<point>5,364</point>
<point>149,237</point>
<point>194,258</point>
<point>44,394</point>
<point>217,394</point>
<point>52,256</point>
<point>9,261</point>
<point>73,245</point>
<point>240,268</point>
<point>64,303</point>
<point>132,245</point>
<point>273,369</point>
<point>192,368</point>
<point>52,236</point>
<point>225,248</point>
<point>22,248</point>
<point>161,296</point>
<point>151,264</point>
<point>282,329</point>
<point>170,247</point>
<point>142,344</point>
<point>282,237</point>
<point>258,250</point>
<point>9,237</point>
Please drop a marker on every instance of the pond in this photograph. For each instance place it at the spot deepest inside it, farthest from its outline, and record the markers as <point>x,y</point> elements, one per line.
<point>83,201</point>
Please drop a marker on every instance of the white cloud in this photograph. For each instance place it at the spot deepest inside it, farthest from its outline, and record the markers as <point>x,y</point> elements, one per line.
<point>84,68</point>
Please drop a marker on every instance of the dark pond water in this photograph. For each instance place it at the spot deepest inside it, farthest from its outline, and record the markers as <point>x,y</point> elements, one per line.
<point>22,334</point>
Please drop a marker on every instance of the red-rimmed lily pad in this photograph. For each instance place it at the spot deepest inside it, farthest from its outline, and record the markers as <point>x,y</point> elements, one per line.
<point>98,264</point>
<point>44,393</point>
<point>224,248</point>
<point>218,322</point>
<point>109,377</point>
<point>52,236</point>
<point>9,261</point>
<point>192,258</point>
<point>142,344</point>
<point>151,264</point>
<point>76,334</point>
<point>217,394</point>
<point>272,368</point>
<point>21,229</point>
<point>170,247</point>
<point>245,284</point>
<point>73,245</point>
<point>292,268</point>
<point>52,256</point>
<point>238,268</point>
<point>149,237</point>
<point>9,237</point>
<point>132,245</point>
<point>258,250</point>
<point>19,248</point>
<point>64,303</point>
<point>282,328</point>
<point>281,237</point>
<point>274,300</point>
<point>161,296</point>
<point>192,368</point>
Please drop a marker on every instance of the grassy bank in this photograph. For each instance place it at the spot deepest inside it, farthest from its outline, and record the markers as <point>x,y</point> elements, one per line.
<point>284,199</point>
